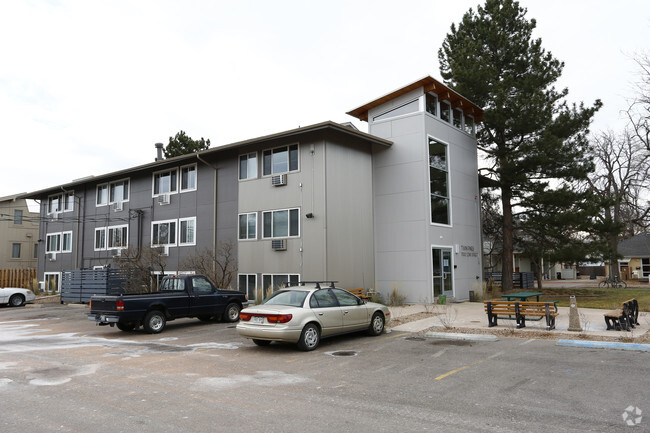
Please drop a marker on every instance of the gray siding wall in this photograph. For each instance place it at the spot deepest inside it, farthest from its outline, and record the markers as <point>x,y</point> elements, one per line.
<point>404,236</point>
<point>334,184</point>
<point>199,203</point>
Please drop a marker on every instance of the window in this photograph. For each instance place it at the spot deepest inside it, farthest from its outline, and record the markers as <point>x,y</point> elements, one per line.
<point>247,283</point>
<point>35,251</point>
<point>248,226</point>
<point>163,233</point>
<point>188,178</point>
<point>18,216</point>
<point>469,124</point>
<point>445,111</point>
<point>102,195</point>
<point>53,243</point>
<point>323,299</point>
<point>458,118</point>
<point>118,237</point>
<point>100,238</point>
<point>15,251</point>
<point>52,281</point>
<point>345,298</point>
<point>119,191</point>
<point>201,284</point>
<point>281,160</point>
<point>66,242</point>
<point>645,268</point>
<point>165,182</point>
<point>431,103</point>
<point>63,202</point>
<point>281,223</point>
<point>275,281</point>
<point>187,231</point>
<point>248,166</point>
<point>407,108</point>
<point>438,182</point>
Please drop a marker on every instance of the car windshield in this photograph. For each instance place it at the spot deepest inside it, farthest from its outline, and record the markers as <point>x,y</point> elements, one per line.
<point>293,298</point>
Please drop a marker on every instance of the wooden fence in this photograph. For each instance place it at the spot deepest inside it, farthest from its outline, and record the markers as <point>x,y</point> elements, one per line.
<point>24,278</point>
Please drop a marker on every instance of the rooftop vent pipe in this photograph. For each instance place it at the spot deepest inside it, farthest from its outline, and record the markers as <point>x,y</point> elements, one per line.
<point>159,151</point>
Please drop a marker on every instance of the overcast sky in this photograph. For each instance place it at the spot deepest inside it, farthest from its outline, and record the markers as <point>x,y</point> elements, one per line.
<point>88,87</point>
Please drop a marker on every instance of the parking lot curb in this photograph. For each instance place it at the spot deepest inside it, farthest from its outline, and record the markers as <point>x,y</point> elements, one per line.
<point>459,336</point>
<point>604,345</point>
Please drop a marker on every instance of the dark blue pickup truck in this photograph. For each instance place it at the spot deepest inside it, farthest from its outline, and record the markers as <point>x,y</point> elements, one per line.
<point>178,296</point>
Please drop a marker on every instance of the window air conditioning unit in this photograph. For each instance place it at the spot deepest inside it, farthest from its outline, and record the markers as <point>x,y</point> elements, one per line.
<point>279,244</point>
<point>117,206</point>
<point>54,216</point>
<point>279,180</point>
<point>165,251</point>
<point>163,199</point>
<point>51,257</point>
<point>117,253</point>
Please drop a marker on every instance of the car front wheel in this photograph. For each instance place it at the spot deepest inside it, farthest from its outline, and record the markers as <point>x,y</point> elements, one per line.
<point>17,300</point>
<point>309,338</point>
<point>231,314</point>
<point>376,324</point>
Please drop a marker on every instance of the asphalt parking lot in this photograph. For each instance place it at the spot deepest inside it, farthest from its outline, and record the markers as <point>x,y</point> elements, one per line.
<point>60,372</point>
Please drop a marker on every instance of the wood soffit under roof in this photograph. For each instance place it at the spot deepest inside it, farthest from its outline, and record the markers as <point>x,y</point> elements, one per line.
<point>429,84</point>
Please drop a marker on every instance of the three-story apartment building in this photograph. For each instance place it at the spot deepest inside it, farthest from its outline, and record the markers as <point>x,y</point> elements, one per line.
<point>395,207</point>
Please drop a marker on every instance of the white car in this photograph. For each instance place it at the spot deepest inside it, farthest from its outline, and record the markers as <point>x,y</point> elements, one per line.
<point>15,296</point>
<point>302,315</point>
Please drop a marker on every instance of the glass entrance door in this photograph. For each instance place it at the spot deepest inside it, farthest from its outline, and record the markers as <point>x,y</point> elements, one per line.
<point>442,278</point>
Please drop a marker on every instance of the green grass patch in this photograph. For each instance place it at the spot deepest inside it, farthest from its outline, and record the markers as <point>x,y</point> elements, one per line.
<point>606,299</point>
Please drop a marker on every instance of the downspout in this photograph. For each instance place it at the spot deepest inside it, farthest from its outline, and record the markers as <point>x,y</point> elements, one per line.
<point>214,206</point>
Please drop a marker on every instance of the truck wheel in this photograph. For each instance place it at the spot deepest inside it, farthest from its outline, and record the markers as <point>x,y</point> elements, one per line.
<point>231,314</point>
<point>154,322</point>
<point>17,301</point>
<point>127,326</point>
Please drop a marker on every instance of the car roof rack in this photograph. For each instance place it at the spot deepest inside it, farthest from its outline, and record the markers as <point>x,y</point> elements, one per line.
<point>318,283</point>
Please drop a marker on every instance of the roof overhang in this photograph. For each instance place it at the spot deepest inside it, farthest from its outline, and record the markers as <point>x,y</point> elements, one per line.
<point>430,85</point>
<point>375,142</point>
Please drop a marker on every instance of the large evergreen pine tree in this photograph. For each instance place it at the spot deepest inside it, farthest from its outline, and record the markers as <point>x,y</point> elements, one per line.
<point>529,134</point>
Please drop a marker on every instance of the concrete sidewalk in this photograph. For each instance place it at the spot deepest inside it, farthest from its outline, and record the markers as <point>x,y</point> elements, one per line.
<point>469,316</point>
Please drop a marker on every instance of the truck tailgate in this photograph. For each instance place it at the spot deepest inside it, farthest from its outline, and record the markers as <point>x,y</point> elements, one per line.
<point>103,304</point>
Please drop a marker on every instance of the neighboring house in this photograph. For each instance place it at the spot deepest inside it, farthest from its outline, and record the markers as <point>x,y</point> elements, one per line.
<point>18,234</point>
<point>396,207</point>
<point>635,264</point>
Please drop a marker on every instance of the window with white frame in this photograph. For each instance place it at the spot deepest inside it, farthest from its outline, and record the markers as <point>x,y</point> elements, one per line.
<point>100,238</point>
<point>458,118</point>
<point>276,281</point>
<point>280,160</point>
<point>102,195</point>
<point>247,283</point>
<point>188,178</point>
<point>118,237</point>
<point>645,268</point>
<point>248,166</point>
<point>163,233</point>
<point>119,191</point>
<point>281,223</point>
<point>63,202</point>
<point>469,124</point>
<point>445,111</point>
<point>187,231</point>
<point>53,243</point>
<point>52,281</point>
<point>431,103</point>
<point>165,182</point>
<point>439,182</point>
<point>66,242</point>
<point>248,226</point>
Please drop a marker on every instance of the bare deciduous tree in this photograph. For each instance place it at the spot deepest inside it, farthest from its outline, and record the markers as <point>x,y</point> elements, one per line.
<point>639,111</point>
<point>139,264</point>
<point>219,268</point>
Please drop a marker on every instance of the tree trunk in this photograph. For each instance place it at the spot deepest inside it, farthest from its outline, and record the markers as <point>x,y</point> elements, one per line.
<point>507,253</point>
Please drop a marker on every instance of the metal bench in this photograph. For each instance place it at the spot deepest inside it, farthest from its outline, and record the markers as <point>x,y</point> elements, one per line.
<point>520,311</point>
